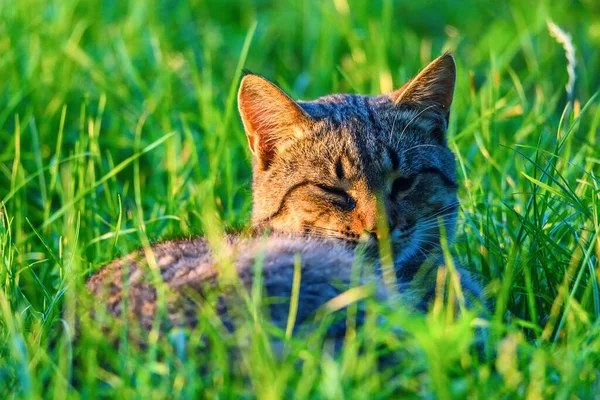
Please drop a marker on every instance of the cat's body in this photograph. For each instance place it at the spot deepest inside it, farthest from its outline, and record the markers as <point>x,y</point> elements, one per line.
<point>192,273</point>
<point>334,172</point>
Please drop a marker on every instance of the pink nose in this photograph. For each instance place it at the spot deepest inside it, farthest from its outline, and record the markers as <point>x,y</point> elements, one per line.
<point>365,218</point>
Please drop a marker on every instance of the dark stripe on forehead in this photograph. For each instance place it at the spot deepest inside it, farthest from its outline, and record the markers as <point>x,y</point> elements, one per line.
<point>357,107</point>
<point>351,101</point>
<point>355,162</point>
<point>365,110</point>
<point>371,115</point>
<point>339,169</point>
<point>335,115</point>
<point>394,159</point>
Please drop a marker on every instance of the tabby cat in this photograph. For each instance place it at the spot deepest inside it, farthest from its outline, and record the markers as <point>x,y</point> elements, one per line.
<point>328,175</point>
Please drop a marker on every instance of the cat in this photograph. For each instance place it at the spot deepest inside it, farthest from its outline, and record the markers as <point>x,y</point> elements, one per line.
<point>330,176</point>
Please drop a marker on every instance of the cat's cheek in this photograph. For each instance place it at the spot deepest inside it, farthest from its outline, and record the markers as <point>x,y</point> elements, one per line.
<point>404,247</point>
<point>399,239</point>
<point>286,224</point>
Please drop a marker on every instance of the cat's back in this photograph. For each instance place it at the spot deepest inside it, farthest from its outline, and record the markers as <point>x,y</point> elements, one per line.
<point>325,268</point>
<point>171,258</point>
<point>182,261</point>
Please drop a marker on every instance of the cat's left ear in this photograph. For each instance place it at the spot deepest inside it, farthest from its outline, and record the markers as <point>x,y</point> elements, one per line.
<point>432,87</point>
<point>271,118</point>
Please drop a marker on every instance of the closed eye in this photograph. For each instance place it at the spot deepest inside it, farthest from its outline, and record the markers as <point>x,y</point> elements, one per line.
<point>402,184</point>
<point>338,197</point>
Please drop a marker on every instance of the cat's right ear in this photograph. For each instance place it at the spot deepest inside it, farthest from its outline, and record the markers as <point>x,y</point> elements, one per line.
<point>432,87</point>
<point>270,117</point>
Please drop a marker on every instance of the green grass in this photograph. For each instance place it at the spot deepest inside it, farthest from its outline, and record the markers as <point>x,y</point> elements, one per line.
<point>118,126</point>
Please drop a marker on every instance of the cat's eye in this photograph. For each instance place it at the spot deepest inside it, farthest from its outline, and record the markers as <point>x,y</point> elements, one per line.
<point>338,197</point>
<point>402,184</point>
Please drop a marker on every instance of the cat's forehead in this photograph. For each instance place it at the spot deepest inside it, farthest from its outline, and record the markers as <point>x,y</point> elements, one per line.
<point>340,108</point>
<point>373,121</point>
<point>372,136</point>
<point>372,154</point>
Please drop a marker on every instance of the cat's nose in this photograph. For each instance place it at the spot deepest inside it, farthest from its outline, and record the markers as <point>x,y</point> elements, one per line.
<point>369,216</point>
<point>369,223</point>
<point>363,225</point>
<point>364,216</point>
<point>369,236</point>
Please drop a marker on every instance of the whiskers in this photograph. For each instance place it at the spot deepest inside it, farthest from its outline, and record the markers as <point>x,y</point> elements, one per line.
<point>434,221</point>
<point>415,242</point>
<point>323,233</point>
<point>424,238</point>
<point>448,208</point>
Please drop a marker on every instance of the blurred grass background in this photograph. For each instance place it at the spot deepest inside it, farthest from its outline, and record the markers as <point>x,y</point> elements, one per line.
<point>118,124</point>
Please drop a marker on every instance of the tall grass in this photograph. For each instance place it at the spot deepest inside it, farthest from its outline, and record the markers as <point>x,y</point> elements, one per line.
<point>118,128</point>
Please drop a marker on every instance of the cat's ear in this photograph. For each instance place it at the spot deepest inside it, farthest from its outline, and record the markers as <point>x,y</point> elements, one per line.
<point>271,118</point>
<point>433,86</point>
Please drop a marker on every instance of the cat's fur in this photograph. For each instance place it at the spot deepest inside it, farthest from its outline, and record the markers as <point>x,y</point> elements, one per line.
<point>191,271</point>
<point>333,172</point>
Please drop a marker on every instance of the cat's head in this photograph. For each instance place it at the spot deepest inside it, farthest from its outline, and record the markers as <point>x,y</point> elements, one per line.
<point>325,167</point>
